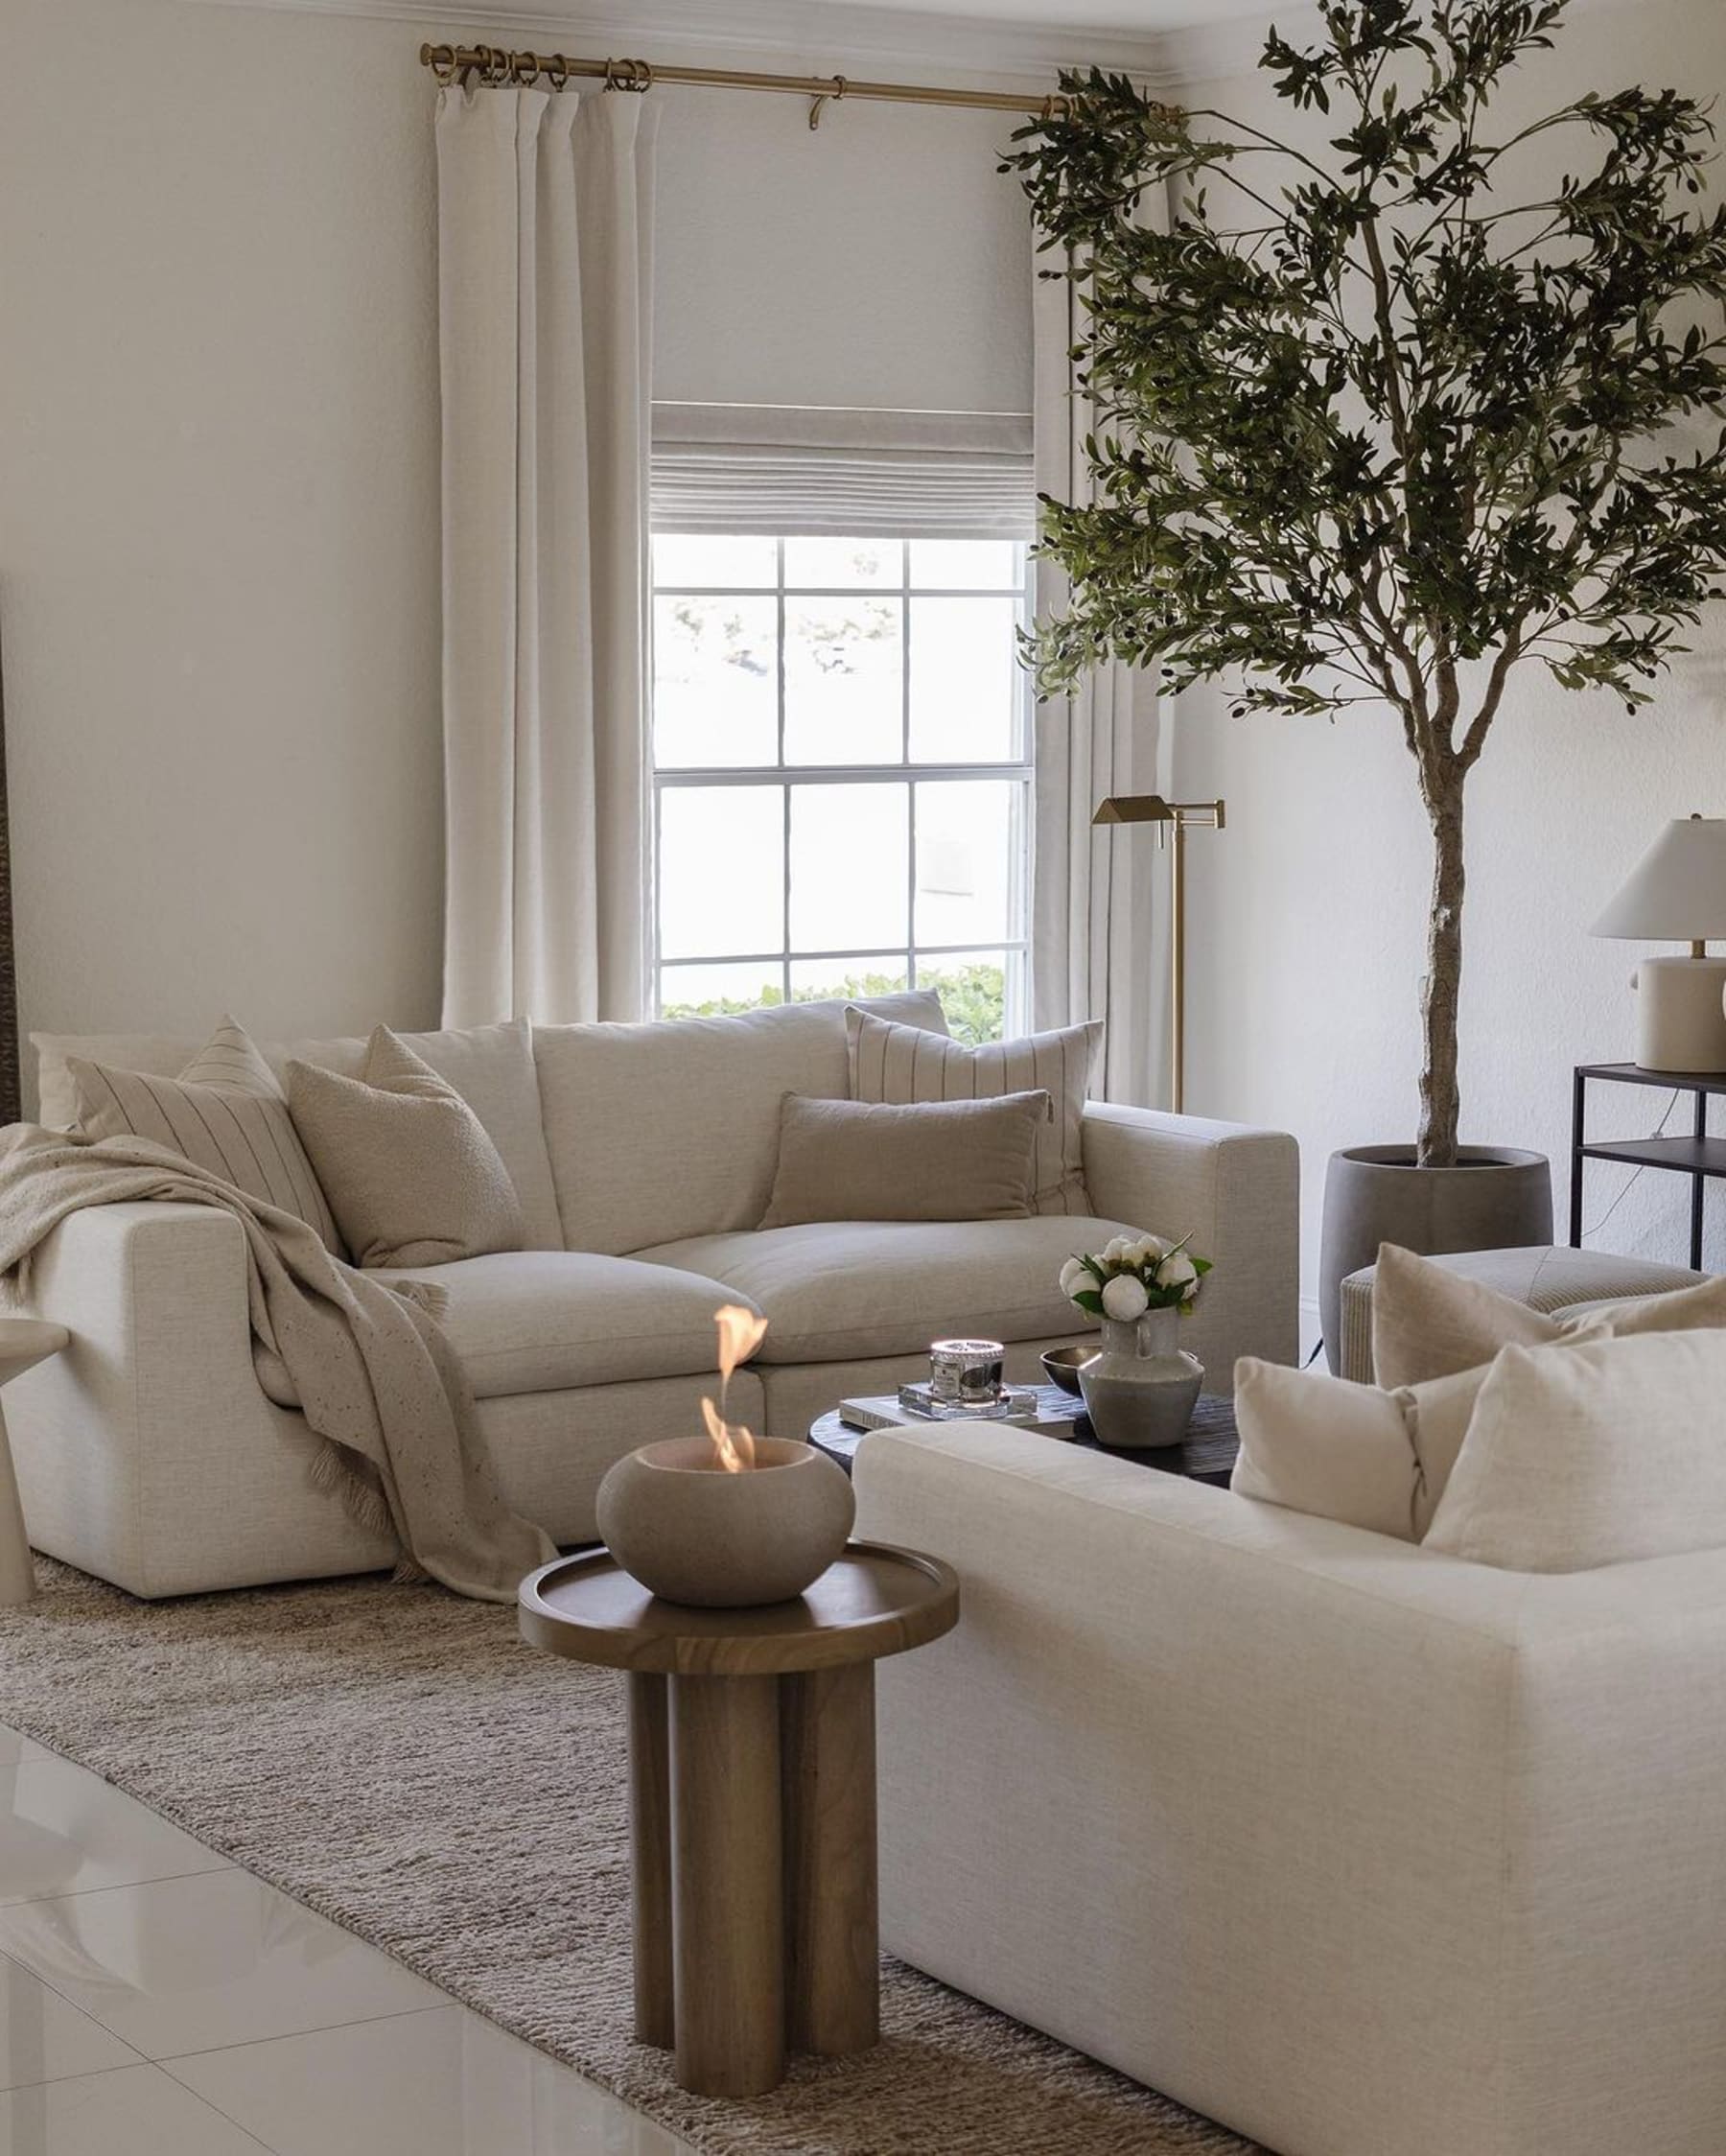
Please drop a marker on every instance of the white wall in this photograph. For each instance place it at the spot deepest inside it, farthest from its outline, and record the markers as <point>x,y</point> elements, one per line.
<point>1308,912</point>
<point>218,466</point>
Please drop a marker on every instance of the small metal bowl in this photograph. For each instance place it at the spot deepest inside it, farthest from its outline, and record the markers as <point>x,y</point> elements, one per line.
<point>1063,1364</point>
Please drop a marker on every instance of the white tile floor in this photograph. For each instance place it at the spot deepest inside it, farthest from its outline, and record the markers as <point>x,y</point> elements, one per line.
<point>156,2000</point>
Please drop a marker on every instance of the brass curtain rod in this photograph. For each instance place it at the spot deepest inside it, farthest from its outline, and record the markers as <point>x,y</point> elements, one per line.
<point>496,66</point>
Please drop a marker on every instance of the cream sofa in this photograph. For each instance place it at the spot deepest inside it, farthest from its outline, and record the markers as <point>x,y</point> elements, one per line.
<point>152,1454</point>
<point>1360,1849</point>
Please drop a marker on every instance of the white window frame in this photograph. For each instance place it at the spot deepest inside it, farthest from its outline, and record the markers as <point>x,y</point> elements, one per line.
<point>1015,946</point>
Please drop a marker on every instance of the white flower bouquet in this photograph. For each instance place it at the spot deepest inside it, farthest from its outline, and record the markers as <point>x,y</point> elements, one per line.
<point>1131,1275</point>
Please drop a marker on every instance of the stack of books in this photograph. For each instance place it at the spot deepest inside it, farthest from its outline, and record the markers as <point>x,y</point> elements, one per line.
<point>1042,1408</point>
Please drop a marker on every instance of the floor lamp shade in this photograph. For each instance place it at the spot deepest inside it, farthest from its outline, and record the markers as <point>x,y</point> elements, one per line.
<point>1676,893</point>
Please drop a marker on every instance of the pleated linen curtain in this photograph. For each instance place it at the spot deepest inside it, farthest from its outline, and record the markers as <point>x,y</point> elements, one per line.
<point>1098,948</point>
<point>544,206</point>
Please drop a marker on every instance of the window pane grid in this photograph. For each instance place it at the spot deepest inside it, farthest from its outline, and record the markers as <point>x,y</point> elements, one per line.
<point>959,827</point>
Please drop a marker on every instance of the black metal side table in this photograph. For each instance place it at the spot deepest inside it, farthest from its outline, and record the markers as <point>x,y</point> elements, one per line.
<point>1698,1156</point>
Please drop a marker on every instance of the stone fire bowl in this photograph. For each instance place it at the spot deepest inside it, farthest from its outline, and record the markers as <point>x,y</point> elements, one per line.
<point>691,1532</point>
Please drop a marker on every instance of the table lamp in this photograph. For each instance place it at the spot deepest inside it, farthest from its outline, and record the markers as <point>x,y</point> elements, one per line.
<point>1677,894</point>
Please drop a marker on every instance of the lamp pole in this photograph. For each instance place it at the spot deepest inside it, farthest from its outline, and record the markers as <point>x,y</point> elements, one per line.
<point>1172,819</point>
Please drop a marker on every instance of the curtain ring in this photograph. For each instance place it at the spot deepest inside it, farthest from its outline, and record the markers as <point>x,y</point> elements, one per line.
<point>524,69</point>
<point>494,66</point>
<point>441,60</point>
<point>556,70</point>
<point>633,74</point>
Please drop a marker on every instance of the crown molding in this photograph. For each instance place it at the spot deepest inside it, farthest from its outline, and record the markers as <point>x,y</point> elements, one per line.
<point>803,38</point>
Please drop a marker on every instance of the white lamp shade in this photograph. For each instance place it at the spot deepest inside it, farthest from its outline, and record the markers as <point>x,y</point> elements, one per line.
<point>1677,891</point>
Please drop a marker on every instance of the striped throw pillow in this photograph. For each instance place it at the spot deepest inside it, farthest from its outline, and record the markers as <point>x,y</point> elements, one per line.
<point>902,1064</point>
<point>224,1111</point>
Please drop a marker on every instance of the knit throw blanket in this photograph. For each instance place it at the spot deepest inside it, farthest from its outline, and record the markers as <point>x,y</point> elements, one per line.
<point>378,1382</point>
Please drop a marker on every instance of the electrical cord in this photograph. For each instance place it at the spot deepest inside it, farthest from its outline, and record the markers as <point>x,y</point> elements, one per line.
<point>1636,1174</point>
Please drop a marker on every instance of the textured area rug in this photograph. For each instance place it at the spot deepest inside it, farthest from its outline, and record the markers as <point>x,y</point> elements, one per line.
<point>396,1759</point>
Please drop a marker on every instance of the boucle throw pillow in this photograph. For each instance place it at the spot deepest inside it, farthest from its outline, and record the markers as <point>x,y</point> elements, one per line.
<point>1598,1452</point>
<point>1427,1321</point>
<point>956,1160</point>
<point>902,1064</point>
<point>1318,1444</point>
<point>411,1175</point>
<point>224,1111</point>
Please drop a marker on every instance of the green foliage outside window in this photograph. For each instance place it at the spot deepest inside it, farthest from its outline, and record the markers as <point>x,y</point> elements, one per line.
<point>973,994</point>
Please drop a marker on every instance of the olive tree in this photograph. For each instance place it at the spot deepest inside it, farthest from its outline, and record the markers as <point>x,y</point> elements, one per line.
<point>1368,431</point>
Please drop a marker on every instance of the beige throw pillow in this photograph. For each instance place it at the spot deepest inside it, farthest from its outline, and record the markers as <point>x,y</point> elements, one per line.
<point>1427,1321</point>
<point>411,1175</point>
<point>902,1064</point>
<point>224,1112</point>
<point>960,1160</point>
<point>1603,1452</point>
<point>1318,1444</point>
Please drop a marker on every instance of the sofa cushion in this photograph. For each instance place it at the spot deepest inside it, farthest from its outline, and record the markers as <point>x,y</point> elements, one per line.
<point>225,1111</point>
<point>891,1061</point>
<point>543,1321</point>
<point>833,1292</point>
<point>1319,1444</point>
<point>411,1173</point>
<point>1597,1451</point>
<point>672,1129</point>
<point>935,1159</point>
<point>1428,1321</point>
<point>491,1066</point>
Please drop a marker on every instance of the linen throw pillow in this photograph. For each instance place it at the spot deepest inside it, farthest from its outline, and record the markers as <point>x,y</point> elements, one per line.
<point>956,1159</point>
<point>224,1111</point>
<point>1599,1452</point>
<point>411,1174</point>
<point>1318,1444</point>
<point>1427,1321</point>
<point>902,1064</point>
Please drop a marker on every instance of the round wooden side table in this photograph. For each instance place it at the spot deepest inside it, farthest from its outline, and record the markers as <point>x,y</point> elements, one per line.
<point>752,1798</point>
<point>24,1342</point>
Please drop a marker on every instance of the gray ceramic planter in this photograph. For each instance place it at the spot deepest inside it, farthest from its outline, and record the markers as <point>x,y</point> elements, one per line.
<point>1495,1198</point>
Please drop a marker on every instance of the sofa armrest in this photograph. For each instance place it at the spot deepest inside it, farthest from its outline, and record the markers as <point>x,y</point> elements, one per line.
<point>1236,1192</point>
<point>147,1452</point>
<point>1286,1819</point>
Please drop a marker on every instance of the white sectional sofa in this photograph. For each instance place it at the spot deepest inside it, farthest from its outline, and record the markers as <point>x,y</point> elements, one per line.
<point>152,1454</point>
<point>1359,1848</point>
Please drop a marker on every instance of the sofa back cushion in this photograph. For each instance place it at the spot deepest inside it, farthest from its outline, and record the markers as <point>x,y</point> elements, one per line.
<point>1429,1321</point>
<point>671,1129</point>
<point>225,1111</point>
<point>934,1159</point>
<point>1591,1452</point>
<point>1379,1459</point>
<point>491,1066</point>
<point>411,1172</point>
<point>894,1062</point>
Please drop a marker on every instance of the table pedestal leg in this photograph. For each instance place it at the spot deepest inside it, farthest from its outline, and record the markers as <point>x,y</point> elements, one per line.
<point>17,1569</point>
<point>728,1882</point>
<point>650,1859</point>
<point>830,1804</point>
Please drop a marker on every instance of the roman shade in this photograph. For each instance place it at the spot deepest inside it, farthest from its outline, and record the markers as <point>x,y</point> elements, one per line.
<point>827,469</point>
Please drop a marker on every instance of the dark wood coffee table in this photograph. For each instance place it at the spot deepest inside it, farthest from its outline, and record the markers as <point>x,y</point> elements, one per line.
<point>1207,1454</point>
<point>752,1798</point>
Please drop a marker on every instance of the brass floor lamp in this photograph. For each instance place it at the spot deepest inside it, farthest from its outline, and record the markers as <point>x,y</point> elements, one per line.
<point>1170,817</point>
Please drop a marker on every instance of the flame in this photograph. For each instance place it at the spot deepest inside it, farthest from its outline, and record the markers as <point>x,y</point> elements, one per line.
<point>740,1334</point>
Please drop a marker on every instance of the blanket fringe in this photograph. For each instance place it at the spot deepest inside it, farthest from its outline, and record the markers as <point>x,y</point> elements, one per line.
<point>333,1468</point>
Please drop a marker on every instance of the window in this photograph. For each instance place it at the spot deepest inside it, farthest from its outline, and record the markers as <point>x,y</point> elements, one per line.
<point>841,772</point>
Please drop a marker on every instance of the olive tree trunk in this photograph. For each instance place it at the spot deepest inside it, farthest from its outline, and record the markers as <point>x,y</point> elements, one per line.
<point>1441,989</point>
